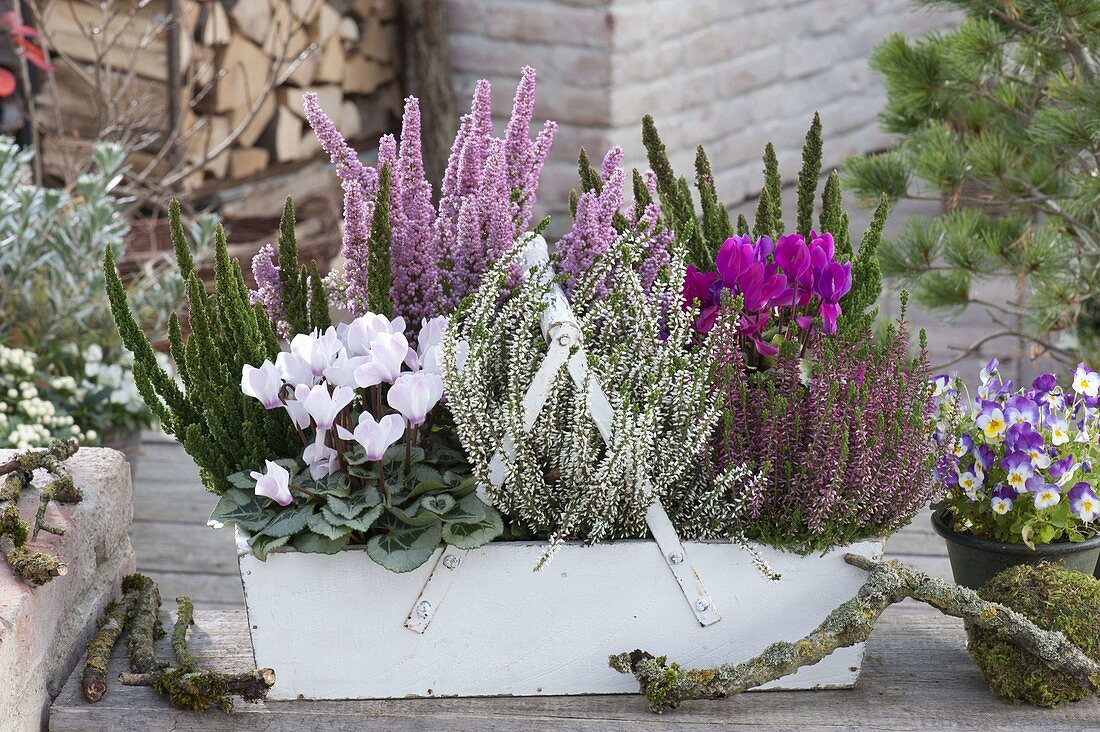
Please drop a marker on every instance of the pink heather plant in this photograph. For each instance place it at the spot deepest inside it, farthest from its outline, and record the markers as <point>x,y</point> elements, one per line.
<point>269,288</point>
<point>437,255</point>
<point>598,223</point>
<point>843,434</point>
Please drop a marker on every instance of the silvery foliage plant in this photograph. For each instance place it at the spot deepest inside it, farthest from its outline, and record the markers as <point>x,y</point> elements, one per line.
<point>562,479</point>
<point>52,301</point>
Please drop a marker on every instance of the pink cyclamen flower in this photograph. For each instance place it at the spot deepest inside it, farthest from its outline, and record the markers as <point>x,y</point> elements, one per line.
<point>414,395</point>
<point>322,406</point>
<point>387,354</point>
<point>321,459</point>
<point>274,484</point>
<point>264,383</point>
<point>375,437</point>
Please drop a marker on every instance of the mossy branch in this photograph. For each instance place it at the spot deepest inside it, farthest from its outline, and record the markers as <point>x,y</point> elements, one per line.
<point>667,685</point>
<point>114,621</point>
<point>34,567</point>
<point>186,685</point>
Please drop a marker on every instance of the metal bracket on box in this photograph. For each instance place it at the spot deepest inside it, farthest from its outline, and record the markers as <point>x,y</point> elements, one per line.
<point>564,349</point>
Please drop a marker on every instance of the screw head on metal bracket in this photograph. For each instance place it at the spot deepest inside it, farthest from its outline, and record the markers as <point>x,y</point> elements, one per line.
<point>451,561</point>
<point>702,604</point>
<point>564,340</point>
<point>423,609</point>
<point>676,558</point>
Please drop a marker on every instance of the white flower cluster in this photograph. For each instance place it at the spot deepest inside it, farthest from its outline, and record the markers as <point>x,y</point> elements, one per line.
<point>563,479</point>
<point>116,378</point>
<point>26,418</point>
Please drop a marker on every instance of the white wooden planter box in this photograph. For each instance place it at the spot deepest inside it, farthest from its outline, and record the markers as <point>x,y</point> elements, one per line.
<point>332,626</point>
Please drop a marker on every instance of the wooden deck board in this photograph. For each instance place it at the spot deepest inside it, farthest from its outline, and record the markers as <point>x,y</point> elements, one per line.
<point>917,675</point>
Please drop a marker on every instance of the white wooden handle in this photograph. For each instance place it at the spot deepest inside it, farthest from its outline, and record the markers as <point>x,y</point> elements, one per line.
<point>563,334</point>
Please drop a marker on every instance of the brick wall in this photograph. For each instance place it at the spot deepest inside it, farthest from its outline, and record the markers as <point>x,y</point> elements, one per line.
<point>728,74</point>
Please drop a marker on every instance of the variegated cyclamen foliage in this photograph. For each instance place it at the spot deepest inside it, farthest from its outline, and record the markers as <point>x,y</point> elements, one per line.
<point>564,481</point>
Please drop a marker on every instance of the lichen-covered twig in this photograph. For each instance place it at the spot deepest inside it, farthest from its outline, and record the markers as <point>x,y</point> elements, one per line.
<point>143,626</point>
<point>203,689</point>
<point>186,685</point>
<point>34,566</point>
<point>190,687</point>
<point>114,621</point>
<point>185,618</point>
<point>666,685</point>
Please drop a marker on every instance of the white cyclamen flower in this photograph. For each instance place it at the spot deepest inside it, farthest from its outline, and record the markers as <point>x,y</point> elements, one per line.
<point>274,484</point>
<point>375,437</point>
<point>414,395</point>
<point>387,355</point>
<point>264,383</point>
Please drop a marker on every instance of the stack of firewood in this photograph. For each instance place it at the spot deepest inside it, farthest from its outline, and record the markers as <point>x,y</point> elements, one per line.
<point>243,67</point>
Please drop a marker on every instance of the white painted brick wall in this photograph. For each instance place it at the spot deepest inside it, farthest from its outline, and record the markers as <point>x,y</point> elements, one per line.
<point>728,74</point>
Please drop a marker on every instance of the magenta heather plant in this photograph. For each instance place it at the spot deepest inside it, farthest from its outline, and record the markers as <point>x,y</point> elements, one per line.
<point>843,435</point>
<point>437,255</point>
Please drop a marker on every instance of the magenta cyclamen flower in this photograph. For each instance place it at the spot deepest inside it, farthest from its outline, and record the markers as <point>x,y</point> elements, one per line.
<point>782,282</point>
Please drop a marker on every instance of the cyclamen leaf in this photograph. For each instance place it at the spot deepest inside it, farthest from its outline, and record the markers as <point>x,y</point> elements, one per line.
<point>243,480</point>
<point>438,504</point>
<point>240,508</point>
<point>470,509</point>
<point>317,544</point>
<point>361,523</point>
<point>319,524</point>
<point>473,535</point>
<point>404,547</point>
<point>289,521</point>
<point>264,545</point>
<point>351,507</point>
<point>355,455</point>
<point>414,515</point>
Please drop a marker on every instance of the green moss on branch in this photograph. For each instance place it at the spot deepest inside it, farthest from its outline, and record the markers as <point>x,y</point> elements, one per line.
<point>667,685</point>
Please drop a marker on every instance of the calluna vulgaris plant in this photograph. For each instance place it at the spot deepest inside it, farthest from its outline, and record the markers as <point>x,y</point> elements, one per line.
<point>835,421</point>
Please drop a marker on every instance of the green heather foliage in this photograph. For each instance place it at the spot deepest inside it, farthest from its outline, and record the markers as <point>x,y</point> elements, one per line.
<point>379,276</point>
<point>221,428</point>
<point>702,236</point>
<point>999,119</point>
<point>1054,598</point>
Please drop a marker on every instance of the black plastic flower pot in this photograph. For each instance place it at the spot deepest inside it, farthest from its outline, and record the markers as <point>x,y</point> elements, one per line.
<point>974,560</point>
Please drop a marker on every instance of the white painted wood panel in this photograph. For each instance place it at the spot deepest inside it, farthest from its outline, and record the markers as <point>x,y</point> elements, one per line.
<point>332,625</point>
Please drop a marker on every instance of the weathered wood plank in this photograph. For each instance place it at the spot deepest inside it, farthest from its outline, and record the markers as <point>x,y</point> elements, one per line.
<point>916,668</point>
<point>208,591</point>
<point>171,547</point>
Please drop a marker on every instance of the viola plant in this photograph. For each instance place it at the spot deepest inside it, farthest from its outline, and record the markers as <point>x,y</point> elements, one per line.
<point>1019,462</point>
<point>377,465</point>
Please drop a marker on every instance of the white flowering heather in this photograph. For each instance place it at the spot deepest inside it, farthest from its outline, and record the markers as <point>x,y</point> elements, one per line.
<point>563,480</point>
<point>30,416</point>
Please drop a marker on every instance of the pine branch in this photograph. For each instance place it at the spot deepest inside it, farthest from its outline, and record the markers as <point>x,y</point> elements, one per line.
<point>182,249</point>
<point>667,685</point>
